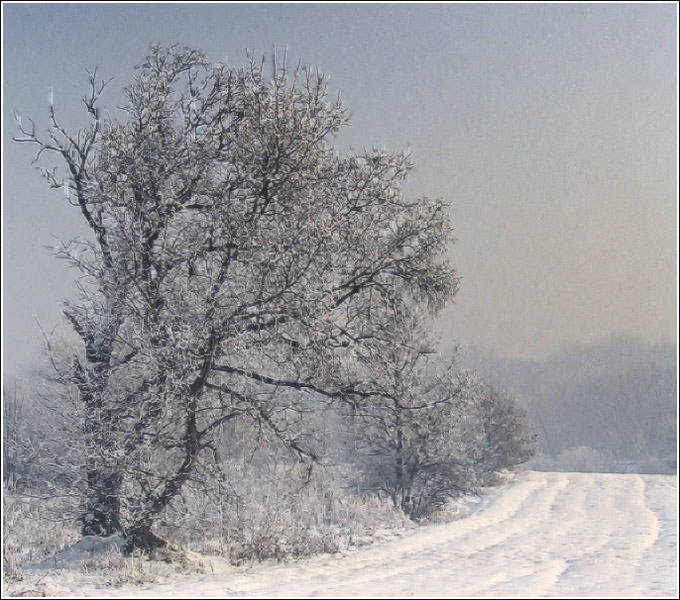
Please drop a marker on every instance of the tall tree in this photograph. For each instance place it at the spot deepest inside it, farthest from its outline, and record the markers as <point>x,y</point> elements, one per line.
<point>237,260</point>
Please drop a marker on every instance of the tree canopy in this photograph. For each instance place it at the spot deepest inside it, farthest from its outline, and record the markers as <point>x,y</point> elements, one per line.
<point>236,261</point>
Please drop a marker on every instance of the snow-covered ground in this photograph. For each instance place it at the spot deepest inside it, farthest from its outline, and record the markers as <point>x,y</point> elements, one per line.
<point>544,534</point>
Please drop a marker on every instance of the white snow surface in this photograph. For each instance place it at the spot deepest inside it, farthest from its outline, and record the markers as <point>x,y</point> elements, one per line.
<point>542,535</point>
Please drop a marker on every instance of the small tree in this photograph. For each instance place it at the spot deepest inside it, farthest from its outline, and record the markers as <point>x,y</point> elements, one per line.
<point>13,434</point>
<point>435,431</point>
<point>412,439</point>
<point>236,261</point>
<point>508,438</point>
<point>39,453</point>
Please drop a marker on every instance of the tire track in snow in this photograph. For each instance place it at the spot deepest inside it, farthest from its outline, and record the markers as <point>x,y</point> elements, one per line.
<point>660,497</point>
<point>642,531</point>
<point>617,529</point>
<point>591,549</point>
<point>523,565</point>
<point>534,516</point>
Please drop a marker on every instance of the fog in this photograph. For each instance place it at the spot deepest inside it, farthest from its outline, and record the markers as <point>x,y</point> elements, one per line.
<point>551,129</point>
<point>608,407</point>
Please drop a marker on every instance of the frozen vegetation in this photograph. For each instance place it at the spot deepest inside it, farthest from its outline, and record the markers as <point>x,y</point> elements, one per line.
<point>544,534</point>
<point>606,407</point>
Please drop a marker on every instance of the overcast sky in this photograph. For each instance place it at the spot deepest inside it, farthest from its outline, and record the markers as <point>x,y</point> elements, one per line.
<point>552,129</point>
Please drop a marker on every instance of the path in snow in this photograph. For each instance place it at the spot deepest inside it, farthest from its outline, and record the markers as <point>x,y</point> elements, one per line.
<point>545,534</point>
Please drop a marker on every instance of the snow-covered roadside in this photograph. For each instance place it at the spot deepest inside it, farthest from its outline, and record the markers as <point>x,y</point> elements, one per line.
<point>546,534</point>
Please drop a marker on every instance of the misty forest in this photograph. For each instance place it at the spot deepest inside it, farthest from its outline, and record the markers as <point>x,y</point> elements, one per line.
<point>252,369</point>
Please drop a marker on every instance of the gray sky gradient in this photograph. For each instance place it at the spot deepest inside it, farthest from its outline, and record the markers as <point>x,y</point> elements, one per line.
<point>552,129</point>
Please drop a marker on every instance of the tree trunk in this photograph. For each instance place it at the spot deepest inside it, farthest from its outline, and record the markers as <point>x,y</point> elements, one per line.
<point>142,538</point>
<point>102,508</point>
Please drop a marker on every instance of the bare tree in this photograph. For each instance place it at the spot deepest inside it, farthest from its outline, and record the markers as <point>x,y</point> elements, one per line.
<point>39,451</point>
<point>508,438</point>
<point>13,425</point>
<point>413,438</point>
<point>435,431</point>
<point>236,262</point>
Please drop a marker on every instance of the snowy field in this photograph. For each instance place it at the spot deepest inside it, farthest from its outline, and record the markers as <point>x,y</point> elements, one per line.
<point>545,534</point>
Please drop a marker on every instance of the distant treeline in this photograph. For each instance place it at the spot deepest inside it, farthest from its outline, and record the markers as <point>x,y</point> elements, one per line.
<point>608,407</point>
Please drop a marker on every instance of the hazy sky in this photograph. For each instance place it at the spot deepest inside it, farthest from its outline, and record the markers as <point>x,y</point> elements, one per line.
<point>551,128</point>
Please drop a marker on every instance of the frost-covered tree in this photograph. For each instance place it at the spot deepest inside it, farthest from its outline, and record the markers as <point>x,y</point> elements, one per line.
<point>38,454</point>
<point>13,433</point>
<point>435,431</point>
<point>414,439</point>
<point>236,261</point>
<point>508,439</point>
